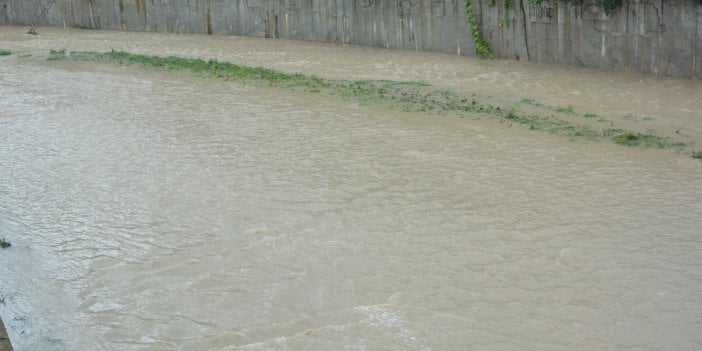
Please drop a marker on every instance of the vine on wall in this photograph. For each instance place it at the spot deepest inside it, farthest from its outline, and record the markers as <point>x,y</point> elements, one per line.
<point>482,47</point>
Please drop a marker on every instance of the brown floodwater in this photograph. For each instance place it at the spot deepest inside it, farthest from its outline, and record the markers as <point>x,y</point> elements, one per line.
<point>161,211</point>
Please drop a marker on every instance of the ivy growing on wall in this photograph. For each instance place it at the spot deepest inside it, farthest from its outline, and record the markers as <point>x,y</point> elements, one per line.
<point>482,47</point>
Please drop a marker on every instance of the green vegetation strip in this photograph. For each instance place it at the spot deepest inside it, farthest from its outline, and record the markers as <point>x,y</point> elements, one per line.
<point>4,244</point>
<point>5,53</point>
<point>569,110</point>
<point>410,96</point>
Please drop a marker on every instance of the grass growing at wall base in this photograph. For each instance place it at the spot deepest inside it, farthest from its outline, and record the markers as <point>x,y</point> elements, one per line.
<point>411,96</point>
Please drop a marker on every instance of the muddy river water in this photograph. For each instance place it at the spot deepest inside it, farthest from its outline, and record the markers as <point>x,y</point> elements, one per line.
<point>151,210</point>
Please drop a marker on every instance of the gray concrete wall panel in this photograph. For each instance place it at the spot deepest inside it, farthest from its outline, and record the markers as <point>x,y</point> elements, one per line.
<point>650,36</point>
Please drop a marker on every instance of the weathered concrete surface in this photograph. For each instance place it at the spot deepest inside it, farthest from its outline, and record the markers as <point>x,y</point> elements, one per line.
<point>4,339</point>
<point>653,36</point>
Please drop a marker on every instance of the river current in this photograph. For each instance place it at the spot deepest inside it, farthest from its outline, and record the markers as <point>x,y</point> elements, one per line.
<point>152,210</point>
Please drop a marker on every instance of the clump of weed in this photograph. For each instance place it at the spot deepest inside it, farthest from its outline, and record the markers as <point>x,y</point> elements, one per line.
<point>531,102</point>
<point>645,140</point>
<point>4,244</point>
<point>697,155</point>
<point>628,139</point>
<point>513,112</point>
<point>5,53</point>
<point>569,110</point>
<point>589,115</point>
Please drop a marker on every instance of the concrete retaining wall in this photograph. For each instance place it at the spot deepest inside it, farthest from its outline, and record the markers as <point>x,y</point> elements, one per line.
<point>4,339</point>
<point>652,36</point>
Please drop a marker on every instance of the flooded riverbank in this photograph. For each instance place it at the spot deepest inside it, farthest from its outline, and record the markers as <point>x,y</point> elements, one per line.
<point>159,210</point>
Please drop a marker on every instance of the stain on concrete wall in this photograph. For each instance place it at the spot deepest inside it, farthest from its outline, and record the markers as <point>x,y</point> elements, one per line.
<point>651,36</point>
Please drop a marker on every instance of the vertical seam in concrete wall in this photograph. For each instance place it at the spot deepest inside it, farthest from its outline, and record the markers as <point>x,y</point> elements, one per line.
<point>526,34</point>
<point>695,38</point>
<point>121,15</point>
<point>560,22</point>
<point>91,22</point>
<point>208,18</point>
<point>71,9</point>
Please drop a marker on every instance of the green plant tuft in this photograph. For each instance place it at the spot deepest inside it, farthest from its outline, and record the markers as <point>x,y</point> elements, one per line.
<point>4,244</point>
<point>567,110</point>
<point>513,112</point>
<point>5,53</point>
<point>697,155</point>
<point>645,140</point>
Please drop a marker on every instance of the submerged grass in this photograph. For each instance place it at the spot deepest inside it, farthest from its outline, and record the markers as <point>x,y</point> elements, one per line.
<point>5,52</point>
<point>411,96</point>
<point>645,140</point>
<point>568,110</point>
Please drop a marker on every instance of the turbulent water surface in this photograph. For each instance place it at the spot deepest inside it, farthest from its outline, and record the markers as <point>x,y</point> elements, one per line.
<point>161,211</point>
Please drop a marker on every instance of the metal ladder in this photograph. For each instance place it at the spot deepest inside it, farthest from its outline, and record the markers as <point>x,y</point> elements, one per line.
<point>41,16</point>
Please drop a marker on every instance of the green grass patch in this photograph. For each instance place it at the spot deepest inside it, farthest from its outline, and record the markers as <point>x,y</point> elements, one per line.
<point>412,96</point>
<point>643,140</point>
<point>513,113</point>
<point>589,115</point>
<point>214,68</point>
<point>5,53</point>
<point>4,244</point>
<point>531,102</point>
<point>569,110</point>
<point>697,155</point>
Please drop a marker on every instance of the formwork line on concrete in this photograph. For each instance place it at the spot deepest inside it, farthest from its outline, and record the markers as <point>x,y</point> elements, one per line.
<point>44,10</point>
